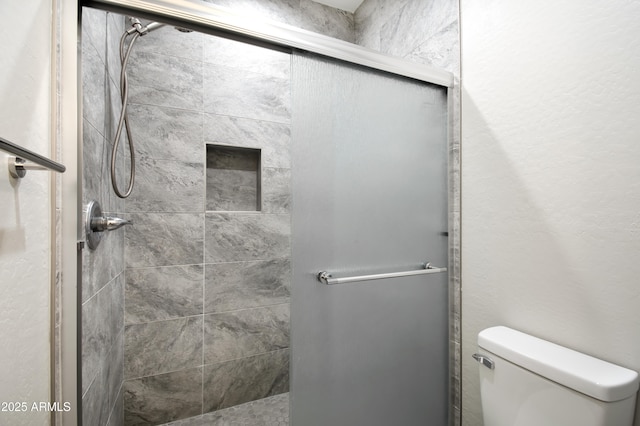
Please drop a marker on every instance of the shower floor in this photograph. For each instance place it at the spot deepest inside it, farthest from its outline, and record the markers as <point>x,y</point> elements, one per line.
<point>272,411</point>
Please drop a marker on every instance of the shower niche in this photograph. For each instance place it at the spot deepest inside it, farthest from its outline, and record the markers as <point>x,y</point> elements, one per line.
<point>233,180</point>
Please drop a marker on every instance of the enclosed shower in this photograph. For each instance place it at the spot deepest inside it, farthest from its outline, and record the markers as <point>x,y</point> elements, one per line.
<point>288,254</point>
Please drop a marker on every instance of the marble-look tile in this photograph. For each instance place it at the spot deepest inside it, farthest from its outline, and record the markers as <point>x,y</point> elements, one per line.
<point>117,411</point>
<point>370,17</point>
<point>235,382</point>
<point>167,186</point>
<point>414,23</point>
<point>166,133</point>
<point>327,20</point>
<point>169,41</point>
<point>303,14</point>
<point>115,372</point>
<point>276,190</point>
<point>283,11</point>
<point>115,29</point>
<point>117,306</point>
<point>240,285</point>
<point>244,56</point>
<point>95,403</point>
<point>165,80</point>
<point>271,411</point>
<point>235,237</point>
<point>94,83</point>
<point>96,335</point>
<point>273,139</point>
<point>116,416</point>
<point>247,94</point>
<point>233,179</point>
<point>441,50</point>
<point>163,239</point>
<point>163,398</point>
<point>168,292</point>
<point>94,30</point>
<point>232,190</point>
<point>93,157</point>
<point>162,346</point>
<point>238,334</point>
<point>366,25</point>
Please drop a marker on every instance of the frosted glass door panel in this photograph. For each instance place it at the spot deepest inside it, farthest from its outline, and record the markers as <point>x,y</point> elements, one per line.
<point>369,196</point>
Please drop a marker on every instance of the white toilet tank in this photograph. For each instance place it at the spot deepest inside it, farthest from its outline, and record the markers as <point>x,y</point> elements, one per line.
<point>526,381</point>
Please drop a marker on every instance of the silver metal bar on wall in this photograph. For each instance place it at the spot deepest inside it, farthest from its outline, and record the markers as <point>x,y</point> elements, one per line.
<point>326,278</point>
<point>18,166</point>
<point>207,17</point>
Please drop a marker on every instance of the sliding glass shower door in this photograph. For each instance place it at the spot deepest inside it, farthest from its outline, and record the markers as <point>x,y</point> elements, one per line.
<point>369,196</point>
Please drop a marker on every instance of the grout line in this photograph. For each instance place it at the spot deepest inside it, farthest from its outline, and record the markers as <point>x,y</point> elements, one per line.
<point>209,313</point>
<point>201,367</point>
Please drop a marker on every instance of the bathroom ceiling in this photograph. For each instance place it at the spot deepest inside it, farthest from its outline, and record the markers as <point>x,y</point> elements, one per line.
<point>348,5</point>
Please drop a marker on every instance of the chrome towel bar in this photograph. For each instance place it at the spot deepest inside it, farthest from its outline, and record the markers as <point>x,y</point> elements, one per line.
<point>326,278</point>
<point>18,166</point>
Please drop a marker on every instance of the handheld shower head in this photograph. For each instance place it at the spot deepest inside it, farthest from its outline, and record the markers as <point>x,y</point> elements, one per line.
<point>151,27</point>
<point>127,40</point>
<point>136,26</point>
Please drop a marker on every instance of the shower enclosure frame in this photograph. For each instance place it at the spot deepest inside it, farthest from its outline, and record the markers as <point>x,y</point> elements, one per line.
<point>217,21</point>
<point>208,18</point>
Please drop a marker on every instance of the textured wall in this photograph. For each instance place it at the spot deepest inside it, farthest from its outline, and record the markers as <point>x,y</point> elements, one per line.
<point>551,183</point>
<point>427,32</point>
<point>103,269</point>
<point>25,84</point>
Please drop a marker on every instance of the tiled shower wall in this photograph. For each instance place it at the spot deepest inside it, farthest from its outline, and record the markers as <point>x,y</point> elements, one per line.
<point>427,32</point>
<point>305,14</point>
<point>207,293</point>
<point>103,269</point>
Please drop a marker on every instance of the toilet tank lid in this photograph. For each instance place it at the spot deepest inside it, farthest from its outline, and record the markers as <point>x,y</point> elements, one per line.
<point>583,373</point>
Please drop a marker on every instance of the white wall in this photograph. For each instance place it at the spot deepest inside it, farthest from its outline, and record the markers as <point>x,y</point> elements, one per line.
<point>25,88</point>
<point>551,176</point>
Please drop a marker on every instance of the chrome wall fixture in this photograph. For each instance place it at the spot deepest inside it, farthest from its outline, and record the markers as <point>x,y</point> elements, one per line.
<point>19,164</point>
<point>95,224</point>
<point>327,278</point>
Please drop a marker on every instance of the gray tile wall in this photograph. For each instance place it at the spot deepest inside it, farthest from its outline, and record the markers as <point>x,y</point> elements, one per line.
<point>103,282</point>
<point>206,292</point>
<point>428,32</point>
<point>305,14</point>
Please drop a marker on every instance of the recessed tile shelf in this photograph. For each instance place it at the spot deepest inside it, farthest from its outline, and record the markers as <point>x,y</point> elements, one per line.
<point>233,178</point>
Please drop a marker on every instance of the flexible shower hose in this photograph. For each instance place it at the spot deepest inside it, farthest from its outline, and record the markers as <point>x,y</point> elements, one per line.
<point>124,120</point>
